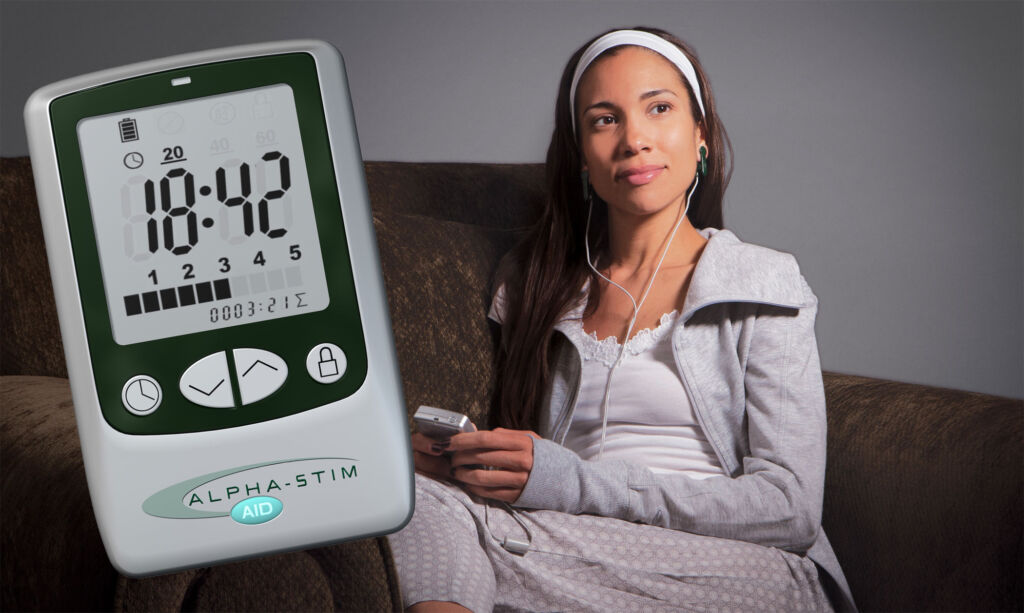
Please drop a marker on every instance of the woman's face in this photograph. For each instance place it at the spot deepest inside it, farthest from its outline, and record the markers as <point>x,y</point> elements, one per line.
<point>637,134</point>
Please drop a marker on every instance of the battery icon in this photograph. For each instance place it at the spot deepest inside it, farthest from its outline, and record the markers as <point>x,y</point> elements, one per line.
<point>129,130</point>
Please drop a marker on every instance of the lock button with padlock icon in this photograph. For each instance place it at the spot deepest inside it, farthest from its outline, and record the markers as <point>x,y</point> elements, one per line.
<point>326,363</point>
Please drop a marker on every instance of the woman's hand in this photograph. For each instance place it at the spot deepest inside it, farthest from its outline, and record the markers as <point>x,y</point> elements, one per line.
<point>428,459</point>
<point>508,452</point>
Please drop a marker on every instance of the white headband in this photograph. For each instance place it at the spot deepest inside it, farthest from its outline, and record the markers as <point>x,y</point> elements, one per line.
<point>639,38</point>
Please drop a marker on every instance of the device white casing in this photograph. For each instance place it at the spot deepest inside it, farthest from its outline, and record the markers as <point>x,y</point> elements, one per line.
<point>370,426</point>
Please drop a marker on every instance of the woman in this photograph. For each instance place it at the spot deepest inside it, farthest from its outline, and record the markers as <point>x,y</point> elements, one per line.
<point>686,477</point>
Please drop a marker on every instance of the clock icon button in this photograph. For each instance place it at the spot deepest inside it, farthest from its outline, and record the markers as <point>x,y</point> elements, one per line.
<point>141,395</point>
<point>133,160</point>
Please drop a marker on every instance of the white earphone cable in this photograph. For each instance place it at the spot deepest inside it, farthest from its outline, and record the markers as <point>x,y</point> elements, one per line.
<point>636,307</point>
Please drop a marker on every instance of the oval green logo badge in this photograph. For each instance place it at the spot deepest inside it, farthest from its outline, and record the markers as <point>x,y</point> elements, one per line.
<point>256,510</point>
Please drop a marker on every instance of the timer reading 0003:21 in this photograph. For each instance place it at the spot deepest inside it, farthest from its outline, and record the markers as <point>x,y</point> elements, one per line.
<point>252,308</point>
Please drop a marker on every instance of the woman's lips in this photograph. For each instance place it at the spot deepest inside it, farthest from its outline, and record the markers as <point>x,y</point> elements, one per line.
<point>641,175</point>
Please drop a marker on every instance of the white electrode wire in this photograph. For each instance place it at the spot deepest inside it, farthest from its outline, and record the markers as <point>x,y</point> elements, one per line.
<point>510,544</point>
<point>636,307</point>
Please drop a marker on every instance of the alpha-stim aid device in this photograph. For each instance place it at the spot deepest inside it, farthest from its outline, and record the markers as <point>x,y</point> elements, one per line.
<point>221,304</point>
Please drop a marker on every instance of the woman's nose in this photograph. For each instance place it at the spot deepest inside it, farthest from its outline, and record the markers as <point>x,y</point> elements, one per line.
<point>635,137</point>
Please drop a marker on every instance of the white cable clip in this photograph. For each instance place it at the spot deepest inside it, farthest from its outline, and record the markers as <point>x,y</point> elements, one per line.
<point>515,546</point>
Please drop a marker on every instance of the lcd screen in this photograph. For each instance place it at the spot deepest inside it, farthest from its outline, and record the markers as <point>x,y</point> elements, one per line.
<point>203,214</point>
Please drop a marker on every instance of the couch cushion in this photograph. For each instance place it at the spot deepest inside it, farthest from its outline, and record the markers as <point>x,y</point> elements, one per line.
<point>29,331</point>
<point>438,275</point>
<point>495,195</point>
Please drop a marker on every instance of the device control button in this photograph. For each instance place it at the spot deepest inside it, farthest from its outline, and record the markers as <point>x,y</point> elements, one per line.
<point>326,363</point>
<point>141,395</point>
<point>256,510</point>
<point>206,382</point>
<point>259,373</point>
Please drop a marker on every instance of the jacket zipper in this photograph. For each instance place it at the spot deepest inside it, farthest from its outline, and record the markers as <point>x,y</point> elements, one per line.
<point>698,407</point>
<point>570,400</point>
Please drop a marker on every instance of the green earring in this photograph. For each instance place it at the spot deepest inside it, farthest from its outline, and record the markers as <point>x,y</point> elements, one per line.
<point>703,161</point>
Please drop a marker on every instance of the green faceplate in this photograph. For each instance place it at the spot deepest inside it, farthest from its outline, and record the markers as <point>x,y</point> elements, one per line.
<point>291,338</point>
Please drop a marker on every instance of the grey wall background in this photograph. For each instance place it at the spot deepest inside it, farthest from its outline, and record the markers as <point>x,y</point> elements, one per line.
<point>879,142</point>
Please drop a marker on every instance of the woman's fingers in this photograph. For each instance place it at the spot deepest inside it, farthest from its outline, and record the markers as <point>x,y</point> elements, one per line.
<point>432,465</point>
<point>508,453</point>
<point>473,475</point>
<point>517,460</point>
<point>511,450</point>
<point>499,438</point>
<point>528,432</point>
<point>507,494</point>
<point>508,469</point>
<point>427,445</point>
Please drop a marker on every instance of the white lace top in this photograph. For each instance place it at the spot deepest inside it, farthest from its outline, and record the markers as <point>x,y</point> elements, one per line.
<point>650,419</point>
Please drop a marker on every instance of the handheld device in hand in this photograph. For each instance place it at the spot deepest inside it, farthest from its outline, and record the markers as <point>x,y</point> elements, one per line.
<point>441,424</point>
<point>221,305</point>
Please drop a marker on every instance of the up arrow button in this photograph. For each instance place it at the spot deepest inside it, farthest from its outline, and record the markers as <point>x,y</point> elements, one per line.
<point>260,373</point>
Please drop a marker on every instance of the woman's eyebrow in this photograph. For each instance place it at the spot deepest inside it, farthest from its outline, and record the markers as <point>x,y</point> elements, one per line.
<point>643,96</point>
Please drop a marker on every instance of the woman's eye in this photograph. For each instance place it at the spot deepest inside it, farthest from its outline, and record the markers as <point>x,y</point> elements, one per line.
<point>662,108</point>
<point>603,120</point>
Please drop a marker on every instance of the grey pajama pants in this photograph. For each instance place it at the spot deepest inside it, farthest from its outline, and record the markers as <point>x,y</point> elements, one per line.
<point>451,551</point>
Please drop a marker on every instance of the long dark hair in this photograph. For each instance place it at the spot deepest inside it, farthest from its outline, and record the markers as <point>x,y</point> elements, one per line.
<point>546,270</point>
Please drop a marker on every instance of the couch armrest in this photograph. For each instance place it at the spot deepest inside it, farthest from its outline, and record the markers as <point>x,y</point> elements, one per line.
<point>923,499</point>
<point>53,557</point>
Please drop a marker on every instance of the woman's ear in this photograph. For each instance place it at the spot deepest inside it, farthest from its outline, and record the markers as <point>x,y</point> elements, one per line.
<point>702,136</point>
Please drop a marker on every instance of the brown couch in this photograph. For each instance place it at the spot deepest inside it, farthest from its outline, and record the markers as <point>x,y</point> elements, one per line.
<point>923,499</point>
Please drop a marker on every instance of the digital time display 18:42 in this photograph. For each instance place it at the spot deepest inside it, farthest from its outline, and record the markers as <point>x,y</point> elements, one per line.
<point>203,214</point>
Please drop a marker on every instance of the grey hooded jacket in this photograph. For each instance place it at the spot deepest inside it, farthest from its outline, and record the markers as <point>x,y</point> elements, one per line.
<point>746,353</point>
